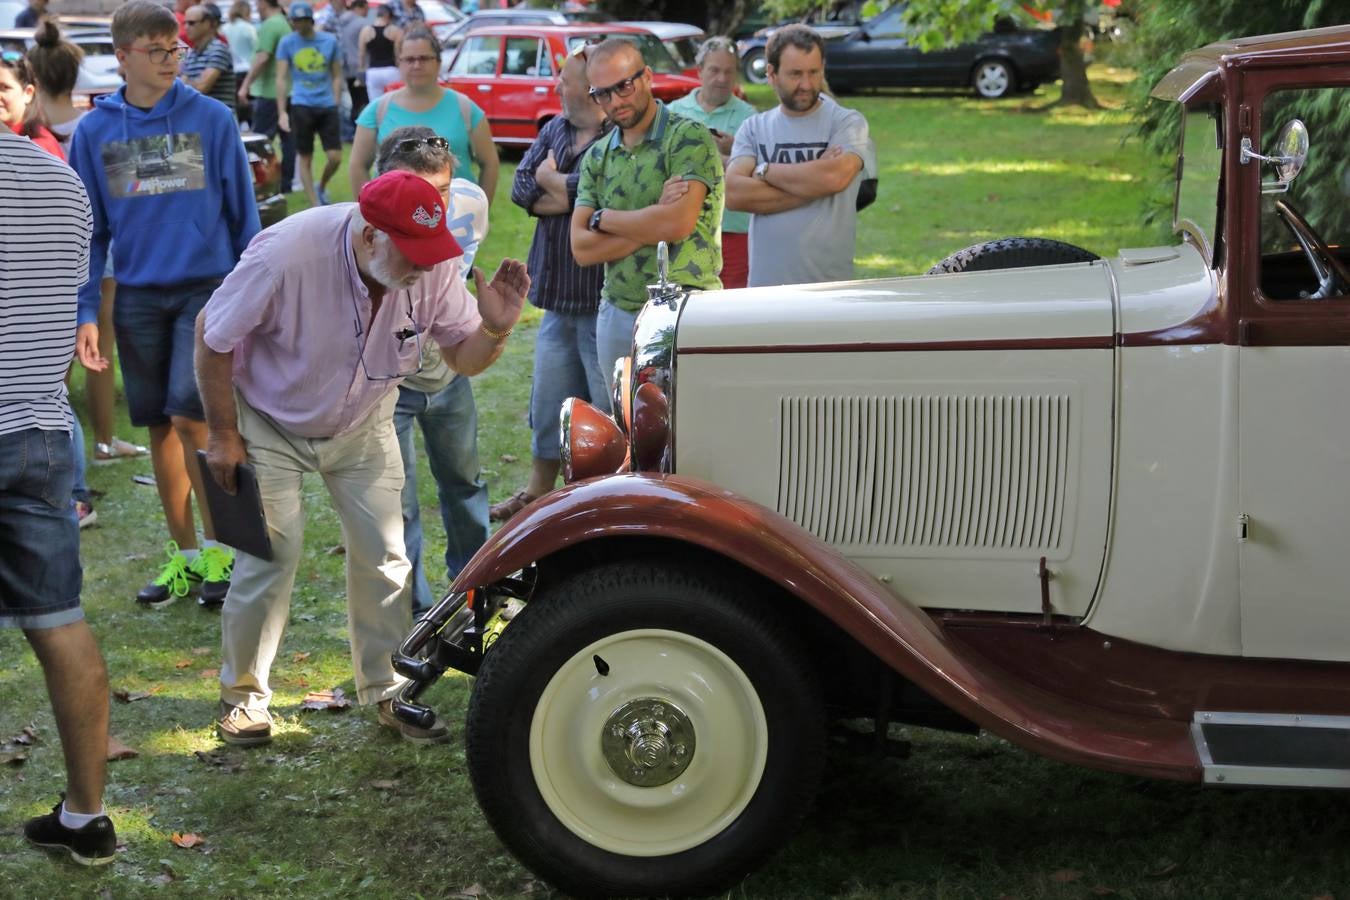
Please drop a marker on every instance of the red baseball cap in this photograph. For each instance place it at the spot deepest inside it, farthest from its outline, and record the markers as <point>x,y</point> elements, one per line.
<point>407,208</point>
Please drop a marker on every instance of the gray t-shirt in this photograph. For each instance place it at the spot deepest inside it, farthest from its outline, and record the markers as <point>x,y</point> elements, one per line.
<point>815,241</point>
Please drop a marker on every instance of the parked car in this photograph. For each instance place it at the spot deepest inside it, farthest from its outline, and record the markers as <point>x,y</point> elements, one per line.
<point>681,40</point>
<point>152,162</point>
<point>1089,506</point>
<point>266,169</point>
<point>451,38</point>
<point>510,71</point>
<point>879,54</point>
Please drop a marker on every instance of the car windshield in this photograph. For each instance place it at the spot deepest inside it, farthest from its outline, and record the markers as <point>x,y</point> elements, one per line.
<point>653,51</point>
<point>1197,210</point>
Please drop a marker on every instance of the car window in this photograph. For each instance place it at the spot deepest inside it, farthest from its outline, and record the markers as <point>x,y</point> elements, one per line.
<point>887,26</point>
<point>95,46</point>
<point>522,56</point>
<point>1320,194</point>
<point>1197,209</point>
<point>654,53</point>
<point>478,56</point>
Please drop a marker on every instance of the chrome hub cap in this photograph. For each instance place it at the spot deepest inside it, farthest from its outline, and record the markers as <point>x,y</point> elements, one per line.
<point>648,742</point>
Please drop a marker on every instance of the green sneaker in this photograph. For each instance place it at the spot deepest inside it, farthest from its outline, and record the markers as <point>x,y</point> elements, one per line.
<point>212,568</point>
<point>173,581</point>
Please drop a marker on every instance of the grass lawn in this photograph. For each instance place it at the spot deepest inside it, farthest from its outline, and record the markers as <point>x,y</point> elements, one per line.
<point>335,808</point>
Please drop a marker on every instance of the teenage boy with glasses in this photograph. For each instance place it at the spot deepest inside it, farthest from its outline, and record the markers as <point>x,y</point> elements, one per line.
<point>658,177</point>
<point>293,385</point>
<point>169,183</point>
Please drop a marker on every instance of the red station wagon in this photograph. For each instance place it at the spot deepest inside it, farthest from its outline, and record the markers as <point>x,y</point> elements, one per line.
<point>510,71</point>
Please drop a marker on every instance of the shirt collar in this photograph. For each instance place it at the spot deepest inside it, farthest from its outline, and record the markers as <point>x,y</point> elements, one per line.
<point>655,132</point>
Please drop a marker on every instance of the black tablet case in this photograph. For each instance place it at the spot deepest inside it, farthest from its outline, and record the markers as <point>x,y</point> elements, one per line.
<point>238,517</point>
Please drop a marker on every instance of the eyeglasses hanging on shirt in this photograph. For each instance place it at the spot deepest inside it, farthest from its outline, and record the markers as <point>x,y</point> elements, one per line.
<point>407,331</point>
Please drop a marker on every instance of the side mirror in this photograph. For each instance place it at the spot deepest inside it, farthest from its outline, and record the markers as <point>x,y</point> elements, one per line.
<point>1291,153</point>
<point>862,34</point>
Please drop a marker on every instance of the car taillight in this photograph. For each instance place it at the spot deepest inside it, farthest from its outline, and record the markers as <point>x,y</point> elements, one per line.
<point>259,171</point>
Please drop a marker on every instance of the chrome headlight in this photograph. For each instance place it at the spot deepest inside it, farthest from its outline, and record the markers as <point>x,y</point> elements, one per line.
<point>649,391</point>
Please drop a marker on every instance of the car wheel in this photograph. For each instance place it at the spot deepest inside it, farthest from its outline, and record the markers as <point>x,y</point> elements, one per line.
<point>1012,253</point>
<point>645,729</point>
<point>993,78</point>
<point>754,66</point>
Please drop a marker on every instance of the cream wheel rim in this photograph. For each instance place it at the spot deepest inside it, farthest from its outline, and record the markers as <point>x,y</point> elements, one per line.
<point>679,678</point>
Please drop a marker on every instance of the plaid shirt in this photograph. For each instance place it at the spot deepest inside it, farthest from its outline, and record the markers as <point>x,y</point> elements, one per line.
<point>557,283</point>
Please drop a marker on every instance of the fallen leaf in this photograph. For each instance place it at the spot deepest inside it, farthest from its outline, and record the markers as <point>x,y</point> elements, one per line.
<point>337,550</point>
<point>209,673</point>
<point>118,750</point>
<point>331,700</point>
<point>1165,867</point>
<point>225,761</point>
<point>509,458</point>
<point>300,657</point>
<point>25,737</point>
<point>473,890</point>
<point>187,841</point>
<point>182,664</point>
<point>992,198</point>
<point>1064,876</point>
<point>200,651</point>
<point>125,696</point>
<point>384,785</point>
<point>13,757</point>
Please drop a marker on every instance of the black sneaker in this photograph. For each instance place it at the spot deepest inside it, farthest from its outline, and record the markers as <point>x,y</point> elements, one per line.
<point>176,579</point>
<point>212,569</point>
<point>93,845</point>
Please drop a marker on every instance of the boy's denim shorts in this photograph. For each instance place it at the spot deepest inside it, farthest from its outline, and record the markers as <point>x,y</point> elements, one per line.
<point>156,339</point>
<point>40,575</point>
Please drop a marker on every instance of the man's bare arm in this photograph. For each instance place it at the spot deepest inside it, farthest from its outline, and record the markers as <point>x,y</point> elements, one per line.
<point>747,193</point>
<point>215,382</point>
<point>591,247</point>
<point>670,222</point>
<point>823,177</point>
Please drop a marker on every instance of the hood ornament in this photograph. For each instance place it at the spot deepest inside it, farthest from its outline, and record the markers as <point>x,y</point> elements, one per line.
<point>664,291</point>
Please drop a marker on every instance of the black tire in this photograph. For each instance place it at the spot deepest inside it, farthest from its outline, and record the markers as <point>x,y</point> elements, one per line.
<point>752,66</point>
<point>1012,253</point>
<point>612,602</point>
<point>993,79</point>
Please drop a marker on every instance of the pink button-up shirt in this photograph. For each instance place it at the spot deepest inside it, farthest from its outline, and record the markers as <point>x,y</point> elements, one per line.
<point>297,316</point>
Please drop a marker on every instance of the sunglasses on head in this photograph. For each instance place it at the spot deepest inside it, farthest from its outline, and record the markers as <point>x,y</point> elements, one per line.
<point>11,56</point>
<point>407,145</point>
<point>619,88</point>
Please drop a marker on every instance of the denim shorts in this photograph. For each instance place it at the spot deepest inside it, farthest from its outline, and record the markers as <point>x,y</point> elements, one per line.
<point>156,338</point>
<point>40,575</point>
<point>566,364</point>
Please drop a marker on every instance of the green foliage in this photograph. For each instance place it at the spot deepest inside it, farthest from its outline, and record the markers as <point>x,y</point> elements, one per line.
<point>793,9</point>
<point>937,24</point>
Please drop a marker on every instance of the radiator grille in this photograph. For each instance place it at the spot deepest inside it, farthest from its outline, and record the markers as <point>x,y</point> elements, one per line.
<point>927,471</point>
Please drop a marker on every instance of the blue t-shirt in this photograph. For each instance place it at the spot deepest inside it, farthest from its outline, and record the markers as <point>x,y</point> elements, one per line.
<point>310,61</point>
<point>446,118</point>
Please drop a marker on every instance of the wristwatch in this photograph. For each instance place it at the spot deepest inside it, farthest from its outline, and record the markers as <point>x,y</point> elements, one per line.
<point>594,224</point>
<point>762,171</point>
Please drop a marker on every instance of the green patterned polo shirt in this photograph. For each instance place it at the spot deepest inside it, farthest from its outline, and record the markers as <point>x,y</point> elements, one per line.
<point>616,177</point>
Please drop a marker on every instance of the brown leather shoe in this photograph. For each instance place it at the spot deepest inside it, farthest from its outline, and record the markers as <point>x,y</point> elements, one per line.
<point>500,512</point>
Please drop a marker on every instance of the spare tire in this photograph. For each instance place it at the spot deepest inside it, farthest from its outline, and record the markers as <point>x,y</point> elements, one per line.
<point>1012,253</point>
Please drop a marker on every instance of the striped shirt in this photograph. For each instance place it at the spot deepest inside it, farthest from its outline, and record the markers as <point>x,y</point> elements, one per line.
<point>557,283</point>
<point>45,225</point>
<point>216,56</point>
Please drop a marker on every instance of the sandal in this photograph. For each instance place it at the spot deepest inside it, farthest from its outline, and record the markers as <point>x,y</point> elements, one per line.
<point>500,512</point>
<point>118,449</point>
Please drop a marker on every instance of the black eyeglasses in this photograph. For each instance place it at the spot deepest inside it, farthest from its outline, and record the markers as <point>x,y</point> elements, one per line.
<point>159,55</point>
<point>621,88</point>
<point>192,21</point>
<point>410,331</point>
<point>410,144</point>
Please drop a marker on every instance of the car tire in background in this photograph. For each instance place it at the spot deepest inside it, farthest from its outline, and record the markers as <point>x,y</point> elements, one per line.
<point>646,728</point>
<point>993,79</point>
<point>754,66</point>
<point>1012,253</point>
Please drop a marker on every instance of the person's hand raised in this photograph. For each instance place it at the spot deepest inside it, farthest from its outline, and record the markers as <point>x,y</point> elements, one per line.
<point>501,300</point>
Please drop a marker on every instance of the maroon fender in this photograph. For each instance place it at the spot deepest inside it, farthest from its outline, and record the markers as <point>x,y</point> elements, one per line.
<point>901,635</point>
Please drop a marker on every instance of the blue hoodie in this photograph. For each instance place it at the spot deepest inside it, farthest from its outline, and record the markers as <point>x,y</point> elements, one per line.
<point>170,186</point>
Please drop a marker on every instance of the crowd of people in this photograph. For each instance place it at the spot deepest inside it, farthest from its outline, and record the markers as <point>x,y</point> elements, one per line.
<point>317,344</point>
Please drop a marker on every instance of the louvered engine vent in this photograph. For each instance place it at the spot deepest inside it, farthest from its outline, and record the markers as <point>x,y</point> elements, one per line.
<point>958,472</point>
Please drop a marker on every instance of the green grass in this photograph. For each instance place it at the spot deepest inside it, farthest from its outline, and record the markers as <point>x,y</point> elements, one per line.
<point>334,808</point>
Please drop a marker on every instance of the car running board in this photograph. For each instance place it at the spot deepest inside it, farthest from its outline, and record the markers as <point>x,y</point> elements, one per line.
<point>1273,750</point>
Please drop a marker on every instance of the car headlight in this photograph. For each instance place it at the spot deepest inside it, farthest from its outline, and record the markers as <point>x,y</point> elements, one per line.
<point>590,443</point>
<point>649,393</point>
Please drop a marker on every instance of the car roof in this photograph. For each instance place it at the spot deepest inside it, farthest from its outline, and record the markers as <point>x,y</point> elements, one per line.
<point>1199,69</point>
<point>669,31</point>
<point>564,30</point>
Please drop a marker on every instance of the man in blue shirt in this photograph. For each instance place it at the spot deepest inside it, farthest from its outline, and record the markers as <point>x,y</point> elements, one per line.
<point>309,75</point>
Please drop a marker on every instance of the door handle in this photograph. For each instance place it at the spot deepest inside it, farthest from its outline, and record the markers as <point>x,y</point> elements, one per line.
<point>484,88</point>
<point>541,90</point>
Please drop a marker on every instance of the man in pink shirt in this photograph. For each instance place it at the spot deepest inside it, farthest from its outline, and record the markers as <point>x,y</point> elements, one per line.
<point>298,355</point>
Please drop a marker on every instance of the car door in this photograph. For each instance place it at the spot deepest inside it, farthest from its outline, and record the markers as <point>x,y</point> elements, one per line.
<point>1294,387</point>
<point>524,93</point>
<point>474,71</point>
<point>877,55</point>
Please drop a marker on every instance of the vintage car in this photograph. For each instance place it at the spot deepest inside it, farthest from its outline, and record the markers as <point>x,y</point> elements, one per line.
<point>1089,506</point>
<point>511,71</point>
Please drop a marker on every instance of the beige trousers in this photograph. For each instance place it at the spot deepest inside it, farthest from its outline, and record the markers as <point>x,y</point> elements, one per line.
<point>363,472</point>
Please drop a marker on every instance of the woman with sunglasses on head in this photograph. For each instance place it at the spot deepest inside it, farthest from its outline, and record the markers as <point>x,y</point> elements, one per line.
<point>19,110</point>
<point>423,101</point>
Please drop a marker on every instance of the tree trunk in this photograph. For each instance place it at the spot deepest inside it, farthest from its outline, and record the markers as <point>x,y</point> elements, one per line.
<point>727,17</point>
<point>1073,68</point>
